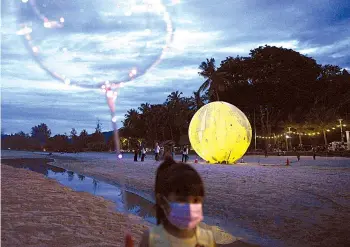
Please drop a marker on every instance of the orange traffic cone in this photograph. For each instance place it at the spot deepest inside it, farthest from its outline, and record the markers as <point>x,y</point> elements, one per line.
<point>287,162</point>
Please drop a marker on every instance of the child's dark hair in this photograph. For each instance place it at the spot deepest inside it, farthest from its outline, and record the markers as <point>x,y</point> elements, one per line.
<point>178,178</point>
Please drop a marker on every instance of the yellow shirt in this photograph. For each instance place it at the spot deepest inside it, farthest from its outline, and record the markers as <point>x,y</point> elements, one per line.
<point>159,237</point>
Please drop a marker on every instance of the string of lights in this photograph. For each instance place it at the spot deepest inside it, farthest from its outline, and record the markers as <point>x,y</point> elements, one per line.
<point>289,133</point>
<point>148,6</point>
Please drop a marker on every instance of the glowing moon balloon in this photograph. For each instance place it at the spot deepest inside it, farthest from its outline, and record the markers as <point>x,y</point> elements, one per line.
<point>220,132</point>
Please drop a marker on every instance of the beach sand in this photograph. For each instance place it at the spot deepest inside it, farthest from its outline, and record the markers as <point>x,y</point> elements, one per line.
<point>299,205</point>
<point>40,212</point>
<point>37,211</point>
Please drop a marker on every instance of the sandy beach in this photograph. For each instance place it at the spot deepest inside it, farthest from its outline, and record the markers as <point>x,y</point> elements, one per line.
<point>299,205</point>
<point>40,212</point>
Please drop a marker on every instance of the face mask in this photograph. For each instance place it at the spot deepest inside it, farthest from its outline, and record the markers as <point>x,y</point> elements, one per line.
<point>185,215</point>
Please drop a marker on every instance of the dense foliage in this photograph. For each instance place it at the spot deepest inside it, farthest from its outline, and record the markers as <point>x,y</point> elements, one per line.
<point>281,87</point>
<point>275,87</point>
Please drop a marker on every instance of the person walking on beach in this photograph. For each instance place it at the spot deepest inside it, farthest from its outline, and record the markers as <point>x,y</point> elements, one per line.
<point>185,154</point>
<point>140,151</point>
<point>314,153</point>
<point>136,152</point>
<point>298,155</point>
<point>179,191</point>
<point>156,151</point>
<point>143,153</point>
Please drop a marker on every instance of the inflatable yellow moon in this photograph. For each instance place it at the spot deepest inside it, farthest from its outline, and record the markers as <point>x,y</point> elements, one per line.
<point>220,132</point>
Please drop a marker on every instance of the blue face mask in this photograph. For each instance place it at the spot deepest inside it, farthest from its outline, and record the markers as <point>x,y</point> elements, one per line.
<point>185,215</point>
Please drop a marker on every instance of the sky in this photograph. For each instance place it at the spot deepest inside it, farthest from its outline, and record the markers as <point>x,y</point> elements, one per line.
<point>53,74</point>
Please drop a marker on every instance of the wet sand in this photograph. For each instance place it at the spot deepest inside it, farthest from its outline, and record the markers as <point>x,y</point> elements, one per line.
<point>40,212</point>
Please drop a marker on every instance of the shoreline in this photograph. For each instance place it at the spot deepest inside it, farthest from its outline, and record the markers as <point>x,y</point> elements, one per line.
<point>273,201</point>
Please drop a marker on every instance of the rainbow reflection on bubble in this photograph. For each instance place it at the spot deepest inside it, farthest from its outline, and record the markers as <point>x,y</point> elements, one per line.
<point>56,43</point>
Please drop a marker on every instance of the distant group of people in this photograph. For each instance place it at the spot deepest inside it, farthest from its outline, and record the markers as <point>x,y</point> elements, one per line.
<point>140,152</point>
<point>296,152</point>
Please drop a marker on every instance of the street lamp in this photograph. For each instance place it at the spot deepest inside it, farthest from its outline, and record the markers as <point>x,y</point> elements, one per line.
<point>341,130</point>
<point>289,137</point>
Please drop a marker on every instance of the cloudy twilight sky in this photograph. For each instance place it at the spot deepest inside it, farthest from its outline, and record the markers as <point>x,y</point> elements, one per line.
<point>87,42</point>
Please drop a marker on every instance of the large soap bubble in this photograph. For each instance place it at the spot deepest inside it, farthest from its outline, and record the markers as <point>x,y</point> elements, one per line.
<point>220,133</point>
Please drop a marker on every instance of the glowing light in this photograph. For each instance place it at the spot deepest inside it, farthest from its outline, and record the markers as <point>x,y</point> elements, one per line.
<point>220,132</point>
<point>344,125</point>
<point>114,119</point>
<point>35,49</point>
<point>67,81</point>
<point>24,31</point>
<point>110,94</point>
<point>47,24</point>
<point>61,19</point>
<point>133,71</point>
<point>120,156</point>
<point>24,1</point>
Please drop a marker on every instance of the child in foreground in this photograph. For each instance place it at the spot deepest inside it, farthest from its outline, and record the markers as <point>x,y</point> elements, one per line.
<point>179,196</point>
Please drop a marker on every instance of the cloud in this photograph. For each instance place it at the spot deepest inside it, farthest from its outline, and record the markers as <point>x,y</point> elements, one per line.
<point>102,40</point>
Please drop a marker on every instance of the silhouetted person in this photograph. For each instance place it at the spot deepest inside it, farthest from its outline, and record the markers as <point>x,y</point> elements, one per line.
<point>136,152</point>
<point>143,154</point>
<point>297,153</point>
<point>185,154</point>
<point>266,154</point>
<point>156,151</point>
<point>140,152</point>
<point>314,153</point>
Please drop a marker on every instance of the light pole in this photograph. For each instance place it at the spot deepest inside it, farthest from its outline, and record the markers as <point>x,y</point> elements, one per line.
<point>341,130</point>
<point>290,142</point>
<point>254,131</point>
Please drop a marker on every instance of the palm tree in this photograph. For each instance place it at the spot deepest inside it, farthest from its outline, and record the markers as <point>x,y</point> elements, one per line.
<point>131,118</point>
<point>144,108</point>
<point>196,101</point>
<point>208,69</point>
<point>174,97</point>
<point>215,81</point>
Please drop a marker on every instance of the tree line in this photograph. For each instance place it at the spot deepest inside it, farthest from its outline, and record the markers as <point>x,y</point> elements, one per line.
<point>40,139</point>
<point>278,89</point>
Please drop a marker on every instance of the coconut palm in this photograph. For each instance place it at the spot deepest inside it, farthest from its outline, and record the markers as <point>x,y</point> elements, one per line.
<point>214,82</point>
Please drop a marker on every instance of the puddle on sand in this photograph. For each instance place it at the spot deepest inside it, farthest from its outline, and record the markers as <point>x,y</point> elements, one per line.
<point>137,205</point>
